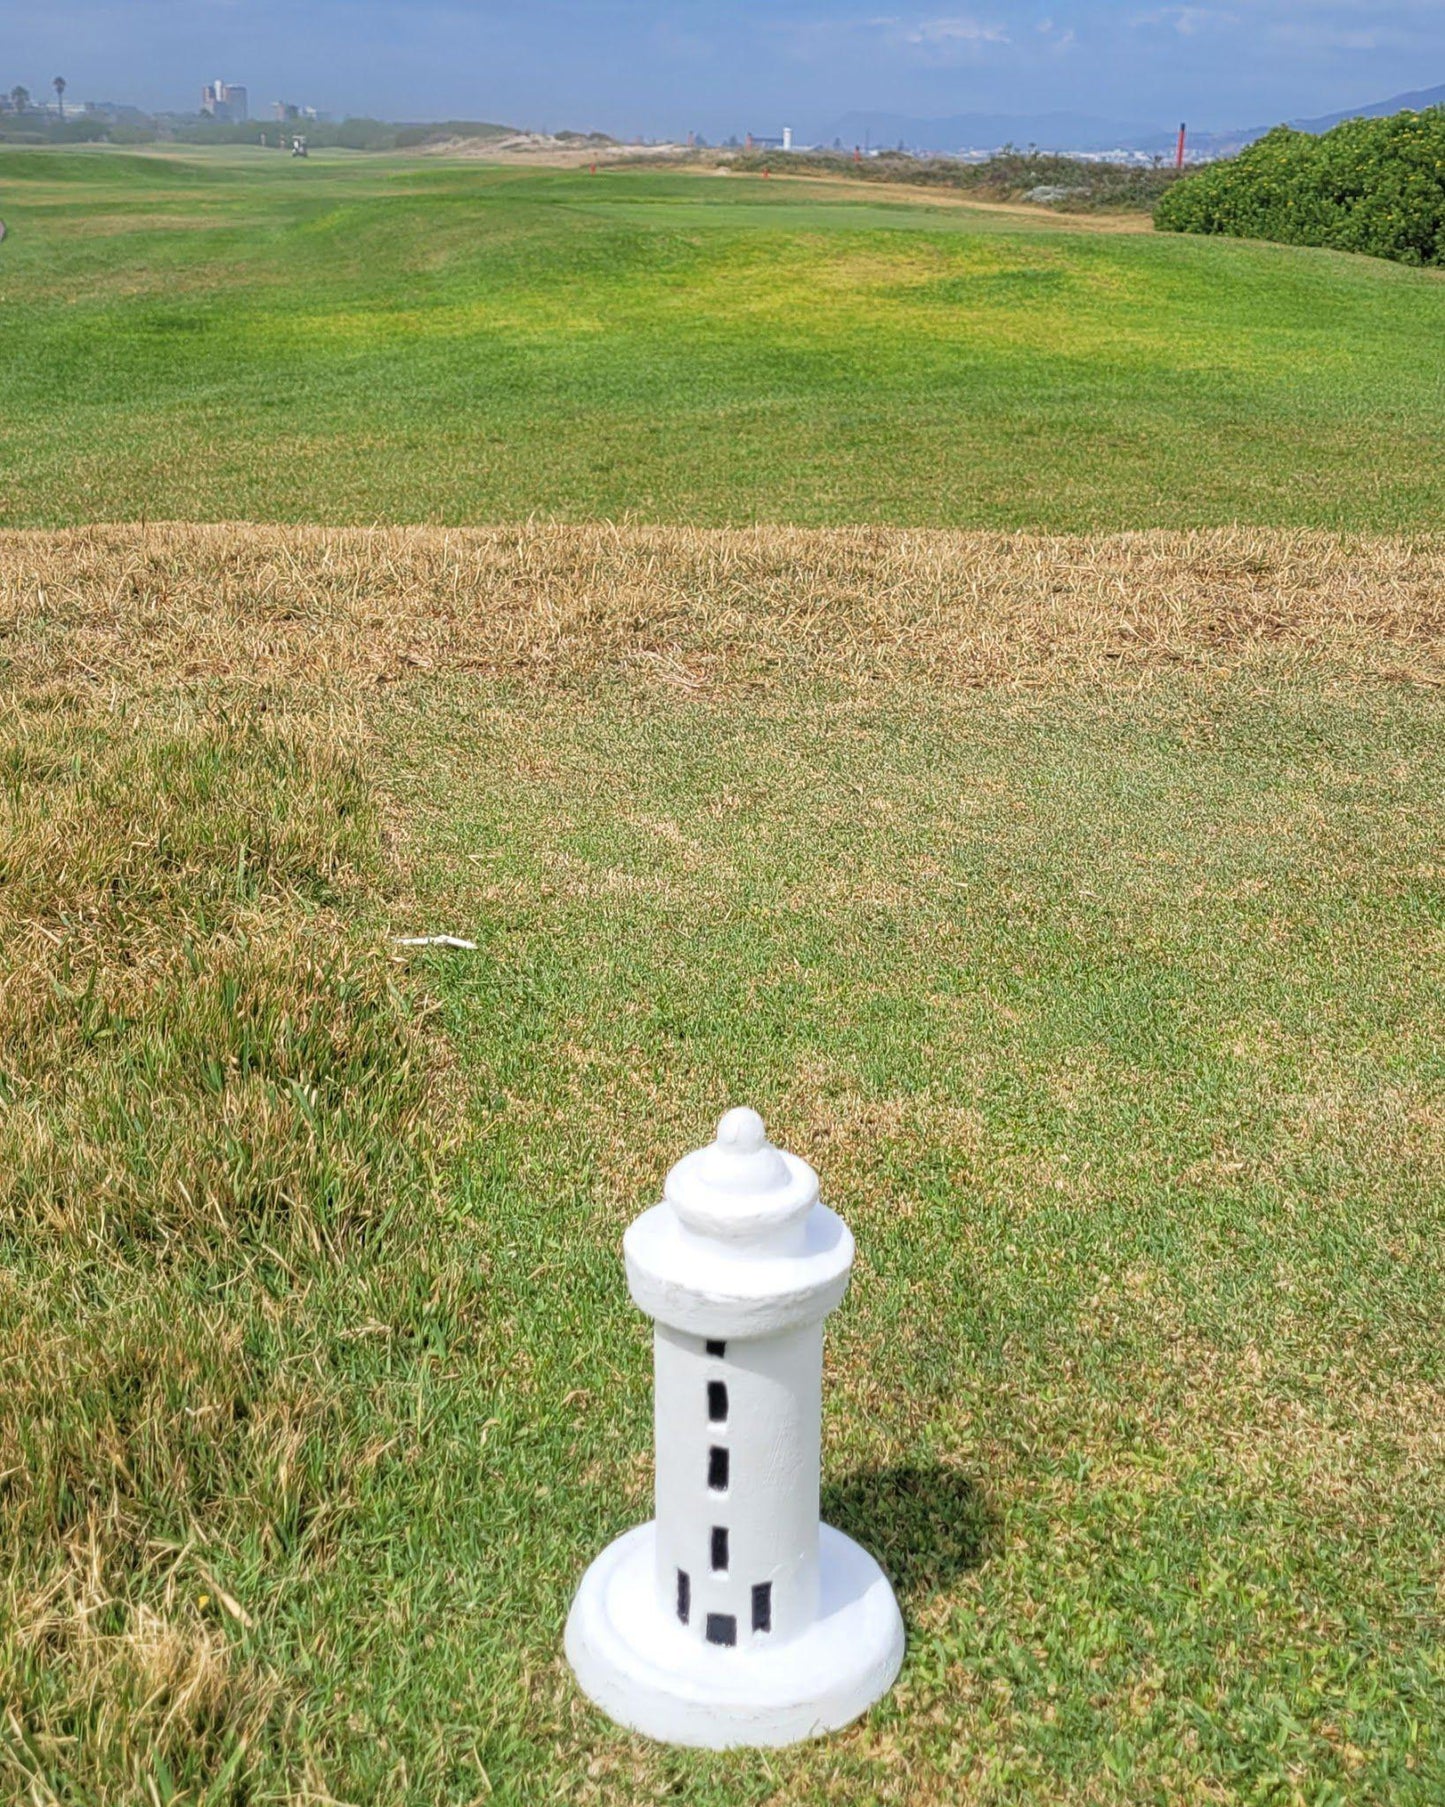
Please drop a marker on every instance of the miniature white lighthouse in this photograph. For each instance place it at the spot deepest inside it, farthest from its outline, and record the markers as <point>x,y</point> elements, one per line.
<point>735,1617</point>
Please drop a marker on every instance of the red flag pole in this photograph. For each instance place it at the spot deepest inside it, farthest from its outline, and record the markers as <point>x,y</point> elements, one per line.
<point>1179,154</point>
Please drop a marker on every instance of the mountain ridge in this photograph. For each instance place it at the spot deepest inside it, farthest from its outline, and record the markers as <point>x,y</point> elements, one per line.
<point>981,131</point>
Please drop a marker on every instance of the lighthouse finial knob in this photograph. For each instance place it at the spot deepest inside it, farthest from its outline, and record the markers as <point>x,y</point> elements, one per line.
<point>740,1187</point>
<point>742,1129</point>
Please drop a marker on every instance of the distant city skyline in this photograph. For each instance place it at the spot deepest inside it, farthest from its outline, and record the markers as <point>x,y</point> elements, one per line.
<point>636,68</point>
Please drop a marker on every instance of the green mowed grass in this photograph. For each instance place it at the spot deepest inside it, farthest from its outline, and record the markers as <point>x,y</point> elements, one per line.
<point>1106,999</point>
<point>230,335</point>
<point>1113,1028</point>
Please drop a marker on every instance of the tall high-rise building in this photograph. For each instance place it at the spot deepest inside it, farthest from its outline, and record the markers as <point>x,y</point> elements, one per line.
<point>224,101</point>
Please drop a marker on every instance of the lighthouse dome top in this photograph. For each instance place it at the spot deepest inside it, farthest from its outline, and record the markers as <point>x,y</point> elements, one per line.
<point>740,1244</point>
<point>740,1187</point>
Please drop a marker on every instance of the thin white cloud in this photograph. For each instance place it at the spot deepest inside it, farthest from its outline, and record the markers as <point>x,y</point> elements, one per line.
<point>953,30</point>
<point>1188,21</point>
<point>1318,37</point>
<point>938,39</point>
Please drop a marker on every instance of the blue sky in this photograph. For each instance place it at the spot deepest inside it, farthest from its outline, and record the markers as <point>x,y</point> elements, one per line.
<point>636,67</point>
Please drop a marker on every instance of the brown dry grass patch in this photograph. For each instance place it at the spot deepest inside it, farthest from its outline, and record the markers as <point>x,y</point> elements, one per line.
<point>258,605</point>
<point>919,196</point>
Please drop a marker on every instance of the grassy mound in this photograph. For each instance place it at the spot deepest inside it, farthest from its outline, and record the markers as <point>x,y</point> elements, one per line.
<point>1370,185</point>
<point>214,336</point>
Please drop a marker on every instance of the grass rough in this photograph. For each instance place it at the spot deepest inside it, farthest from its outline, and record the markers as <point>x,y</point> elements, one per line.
<point>212,1092</point>
<point>1085,187</point>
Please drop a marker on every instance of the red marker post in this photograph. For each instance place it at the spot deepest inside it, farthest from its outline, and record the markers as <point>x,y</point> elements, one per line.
<point>1179,153</point>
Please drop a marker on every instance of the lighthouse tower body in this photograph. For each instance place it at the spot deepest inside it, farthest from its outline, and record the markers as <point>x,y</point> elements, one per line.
<point>737,1483</point>
<point>735,1617</point>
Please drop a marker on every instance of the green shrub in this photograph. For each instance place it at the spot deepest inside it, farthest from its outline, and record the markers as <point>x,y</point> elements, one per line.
<point>1370,185</point>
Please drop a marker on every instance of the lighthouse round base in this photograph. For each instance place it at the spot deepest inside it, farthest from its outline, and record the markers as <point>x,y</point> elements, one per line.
<point>638,1664</point>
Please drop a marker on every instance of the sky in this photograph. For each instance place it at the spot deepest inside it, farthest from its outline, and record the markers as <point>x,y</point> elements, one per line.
<point>641,68</point>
